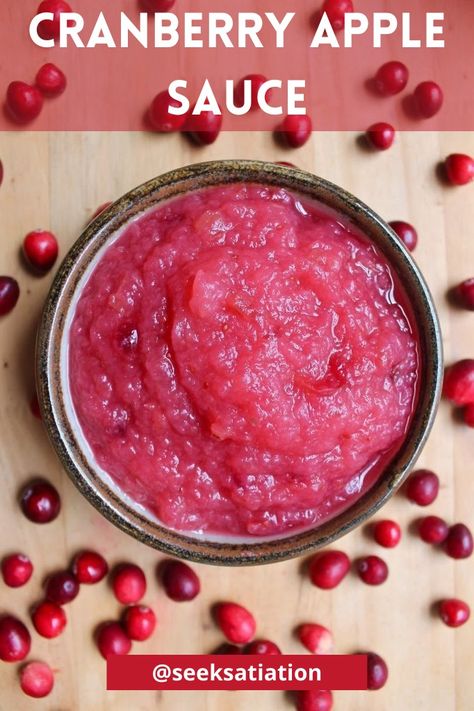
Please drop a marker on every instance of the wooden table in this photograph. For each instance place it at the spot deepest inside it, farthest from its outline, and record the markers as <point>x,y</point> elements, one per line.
<point>57,181</point>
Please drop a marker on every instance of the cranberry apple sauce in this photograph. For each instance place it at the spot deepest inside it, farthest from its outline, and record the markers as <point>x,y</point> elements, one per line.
<point>243,361</point>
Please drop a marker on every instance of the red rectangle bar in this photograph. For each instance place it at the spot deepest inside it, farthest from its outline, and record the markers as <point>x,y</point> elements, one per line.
<point>207,671</point>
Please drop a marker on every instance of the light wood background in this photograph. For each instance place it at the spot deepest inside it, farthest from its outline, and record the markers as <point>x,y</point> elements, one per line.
<point>56,181</point>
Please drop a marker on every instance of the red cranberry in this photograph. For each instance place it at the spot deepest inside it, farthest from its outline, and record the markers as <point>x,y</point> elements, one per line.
<point>468,415</point>
<point>459,168</point>
<point>285,163</point>
<point>458,543</point>
<point>316,638</point>
<point>40,501</point>
<point>37,679</point>
<point>40,249</point>
<point>15,640</point>
<point>16,570</point>
<point>204,128</point>
<point>129,583</point>
<point>160,117</point>
<point>49,29</point>
<point>428,98</point>
<point>256,81</point>
<point>51,81</point>
<point>111,639</point>
<point>139,622</point>
<point>387,533</point>
<point>453,612</point>
<point>61,587</point>
<point>336,10</point>
<point>391,78</point>
<point>180,581</point>
<point>372,570</point>
<point>464,293</point>
<point>157,5</point>
<point>262,646</point>
<point>381,135</point>
<point>422,487</point>
<point>328,568</point>
<point>226,648</point>
<point>49,619</point>
<point>35,407</point>
<point>89,567</point>
<point>296,130</point>
<point>236,622</point>
<point>24,102</point>
<point>458,383</point>
<point>377,672</point>
<point>314,700</point>
<point>433,529</point>
<point>406,233</point>
<point>9,293</point>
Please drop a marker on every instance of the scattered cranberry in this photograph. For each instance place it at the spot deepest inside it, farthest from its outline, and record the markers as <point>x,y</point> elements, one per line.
<point>285,163</point>
<point>49,619</point>
<point>453,612</point>
<point>336,11</point>
<point>256,81</point>
<point>16,570</point>
<point>387,533</point>
<point>15,640</point>
<point>51,81</point>
<point>24,102</point>
<point>314,700</point>
<point>49,29</point>
<point>40,249</point>
<point>37,679</point>
<point>316,638</point>
<point>428,98</point>
<point>328,568</point>
<point>458,383</point>
<point>35,407</point>
<point>61,587</point>
<point>381,135</point>
<point>433,529</point>
<point>236,622</point>
<point>226,648</point>
<point>422,487</point>
<point>157,5</point>
<point>262,646</point>
<point>40,501</point>
<point>459,168</point>
<point>89,567</point>
<point>111,639</point>
<point>180,581</point>
<point>160,117</point>
<point>296,130</point>
<point>129,583</point>
<point>372,570</point>
<point>468,415</point>
<point>204,128</point>
<point>458,543</point>
<point>100,210</point>
<point>464,294</point>
<point>391,78</point>
<point>406,233</point>
<point>139,622</point>
<point>377,672</point>
<point>9,293</point>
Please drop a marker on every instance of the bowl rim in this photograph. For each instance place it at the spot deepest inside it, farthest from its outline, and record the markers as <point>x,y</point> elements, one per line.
<point>48,372</point>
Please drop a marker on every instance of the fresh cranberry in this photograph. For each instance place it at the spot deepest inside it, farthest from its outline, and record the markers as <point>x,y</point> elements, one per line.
<point>100,210</point>
<point>37,679</point>
<point>387,533</point>
<point>422,487</point>
<point>236,622</point>
<point>9,293</point>
<point>40,249</point>
<point>372,570</point>
<point>129,583</point>
<point>180,581</point>
<point>15,640</point>
<point>256,81</point>
<point>89,567</point>
<point>377,672</point>
<point>464,293</point>
<point>40,501</point>
<point>285,163</point>
<point>204,128</point>
<point>328,568</point>
<point>16,570</point>
<point>391,78</point>
<point>336,11</point>
<point>226,648</point>
<point>458,383</point>
<point>24,102</point>
<point>296,130</point>
<point>468,415</point>
<point>61,587</point>
<point>262,646</point>
<point>459,168</point>
<point>157,5</point>
<point>316,638</point>
<point>433,529</point>
<point>160,117</point>
<point>453,612</point>
<point>381,135</point>
<point>428,98</point>
<point>458,543</point>
<point>406,233</point>
<point>50,29</point>
<point>112,639</point>
<point>139,622</point>
<point>314,700</point>
<point>51,81</point>
<point>35,407</point>
<point>49,619</point>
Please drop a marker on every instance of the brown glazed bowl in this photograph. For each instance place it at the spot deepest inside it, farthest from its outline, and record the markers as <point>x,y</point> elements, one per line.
<point>56,403</point>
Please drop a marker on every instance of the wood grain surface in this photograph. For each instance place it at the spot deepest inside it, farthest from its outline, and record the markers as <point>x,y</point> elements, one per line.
<point>57,181</point>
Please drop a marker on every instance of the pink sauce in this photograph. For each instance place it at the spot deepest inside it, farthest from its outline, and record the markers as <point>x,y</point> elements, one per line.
<point>240,362</point>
